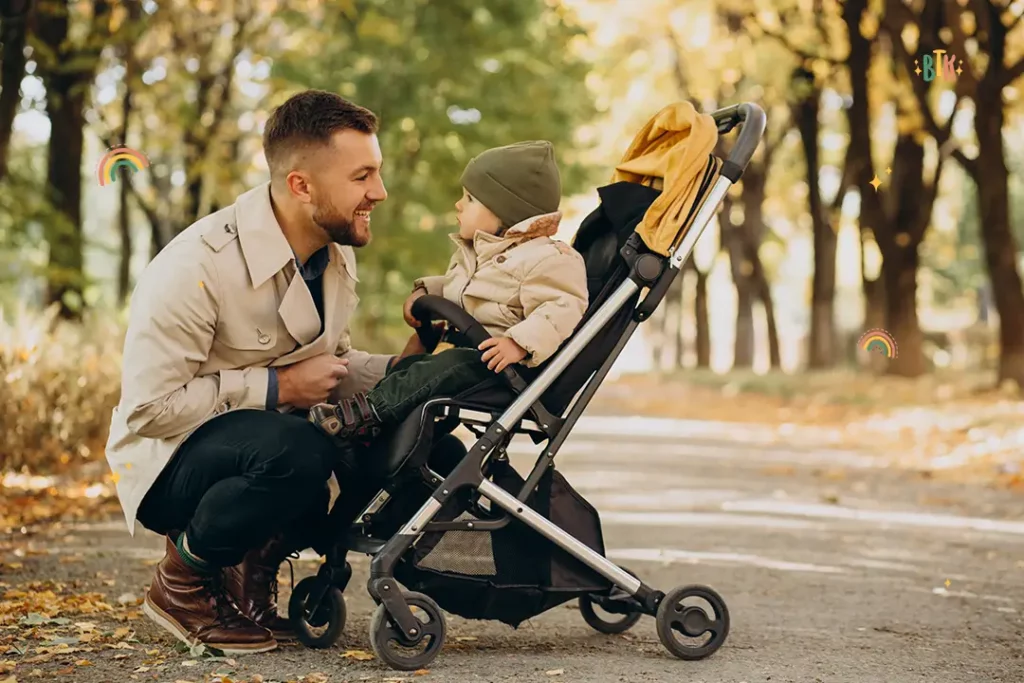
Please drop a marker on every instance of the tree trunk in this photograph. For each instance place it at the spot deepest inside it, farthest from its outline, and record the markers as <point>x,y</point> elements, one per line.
<point>13,31</point>
<point>900,239</point>
<point>764,293</point>
<point>733,235</point>
<point>822,341</point>
<point>124,276</point>
<point>992,179</point>
<point>703,341</point>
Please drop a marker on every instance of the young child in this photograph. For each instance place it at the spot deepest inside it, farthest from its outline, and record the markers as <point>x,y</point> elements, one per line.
<point>527,290</point>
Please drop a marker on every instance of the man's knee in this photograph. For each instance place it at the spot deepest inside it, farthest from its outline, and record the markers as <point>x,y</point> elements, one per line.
<point>302,454</point>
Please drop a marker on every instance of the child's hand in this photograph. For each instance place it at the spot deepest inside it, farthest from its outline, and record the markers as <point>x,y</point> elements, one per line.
<point>407,311</point>
<point>499,353</point>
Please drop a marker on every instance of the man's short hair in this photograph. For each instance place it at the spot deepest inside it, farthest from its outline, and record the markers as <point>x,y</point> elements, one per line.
<point>308,120</point>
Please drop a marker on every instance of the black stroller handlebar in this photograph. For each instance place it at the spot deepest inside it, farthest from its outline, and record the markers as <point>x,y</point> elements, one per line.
<point>429,308</point>
<point>753,120</point>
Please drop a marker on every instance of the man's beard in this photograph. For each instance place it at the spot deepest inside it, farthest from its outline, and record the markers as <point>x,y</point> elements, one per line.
<point>338,228</point>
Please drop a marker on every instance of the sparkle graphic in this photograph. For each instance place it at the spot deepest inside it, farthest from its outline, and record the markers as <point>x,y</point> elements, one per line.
<point>876,181</point>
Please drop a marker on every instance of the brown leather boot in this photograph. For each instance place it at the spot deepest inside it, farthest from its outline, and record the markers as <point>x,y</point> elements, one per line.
<point>195,608</point>
<point>253,586</point>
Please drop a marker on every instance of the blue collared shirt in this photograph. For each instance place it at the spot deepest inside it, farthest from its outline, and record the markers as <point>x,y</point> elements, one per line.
<point>313,268</point>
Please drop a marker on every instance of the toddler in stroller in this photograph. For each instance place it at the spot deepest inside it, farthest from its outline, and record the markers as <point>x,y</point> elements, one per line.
<point>528,291</point>
<point>457,526</point>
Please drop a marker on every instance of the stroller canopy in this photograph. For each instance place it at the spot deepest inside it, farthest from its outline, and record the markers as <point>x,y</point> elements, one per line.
<point>671,153</point>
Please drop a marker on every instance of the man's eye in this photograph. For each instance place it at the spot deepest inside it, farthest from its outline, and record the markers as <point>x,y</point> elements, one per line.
<point>363,177</point>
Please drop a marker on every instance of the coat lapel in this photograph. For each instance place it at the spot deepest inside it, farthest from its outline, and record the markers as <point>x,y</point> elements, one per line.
<point>298,312</point>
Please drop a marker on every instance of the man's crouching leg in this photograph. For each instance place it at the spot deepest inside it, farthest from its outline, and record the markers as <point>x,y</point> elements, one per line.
<point>235,484</point>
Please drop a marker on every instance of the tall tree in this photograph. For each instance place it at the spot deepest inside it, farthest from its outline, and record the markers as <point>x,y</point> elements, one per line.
<point>992,22</point>
<point>67,66</point>
<point>14,20</point>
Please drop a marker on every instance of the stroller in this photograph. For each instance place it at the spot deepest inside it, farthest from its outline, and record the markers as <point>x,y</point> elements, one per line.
<point>460,528</point>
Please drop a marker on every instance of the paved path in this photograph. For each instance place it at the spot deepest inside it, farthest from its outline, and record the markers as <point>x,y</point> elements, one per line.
<point>834,570</point>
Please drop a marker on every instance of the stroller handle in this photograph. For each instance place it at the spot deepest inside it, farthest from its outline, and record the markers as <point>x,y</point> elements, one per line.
<point>753,120</point>
<point>429,308</point>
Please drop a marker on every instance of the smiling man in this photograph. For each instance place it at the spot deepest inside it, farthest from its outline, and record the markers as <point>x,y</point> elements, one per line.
<point>237,325</point>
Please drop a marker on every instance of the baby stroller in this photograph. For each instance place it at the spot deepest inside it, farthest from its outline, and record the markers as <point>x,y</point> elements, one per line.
<point>460,528</point>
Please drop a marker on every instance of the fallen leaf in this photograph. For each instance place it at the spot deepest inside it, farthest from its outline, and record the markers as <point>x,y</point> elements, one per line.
<point>142,670</point>
<point>121,633</point>
<point>190,662</point>
<point>465,639</point>
<point>316,677</point>
<point>152,652</point>
<point>121,656</point>
<point>358,655</point>
<point>9,679</point>
<point>83,662</point>
<point>555,672</point>
<point>421,672</point>
<point>15,565</point>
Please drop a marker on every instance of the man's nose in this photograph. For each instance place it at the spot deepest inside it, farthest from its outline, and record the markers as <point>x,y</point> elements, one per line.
<point>378,192</point>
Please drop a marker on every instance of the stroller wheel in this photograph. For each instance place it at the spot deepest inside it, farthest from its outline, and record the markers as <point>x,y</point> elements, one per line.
<point>617,606</point>
<point>397,650</point>
<point>599,623</point>
<point>702,632</point>
<point>317,623</point>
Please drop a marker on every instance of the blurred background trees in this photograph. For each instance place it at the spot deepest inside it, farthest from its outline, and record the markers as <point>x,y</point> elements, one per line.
<point>888,192</point>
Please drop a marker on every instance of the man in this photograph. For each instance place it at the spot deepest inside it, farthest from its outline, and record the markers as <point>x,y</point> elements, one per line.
<point>241,318</point>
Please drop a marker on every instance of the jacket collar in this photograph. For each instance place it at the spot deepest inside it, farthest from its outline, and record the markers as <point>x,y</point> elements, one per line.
<point>264,246</point>
<point>487,246</point>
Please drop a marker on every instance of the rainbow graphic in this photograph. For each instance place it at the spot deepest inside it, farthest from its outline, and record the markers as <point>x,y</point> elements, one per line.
<point>116,158</point>
<point>878,340</point>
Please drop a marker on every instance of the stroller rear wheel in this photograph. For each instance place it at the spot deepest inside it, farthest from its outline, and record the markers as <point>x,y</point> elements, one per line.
<point>393,647</point>
<point>703,632</point>
<point>617,605</point>
<point>306,612</point>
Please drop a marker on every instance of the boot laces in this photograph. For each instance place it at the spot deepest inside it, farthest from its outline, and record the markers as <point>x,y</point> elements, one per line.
<point>218,593</point>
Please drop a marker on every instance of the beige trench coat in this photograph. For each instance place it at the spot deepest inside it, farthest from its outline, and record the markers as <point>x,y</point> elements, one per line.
<point>523,285</point>
<point>218,305</point>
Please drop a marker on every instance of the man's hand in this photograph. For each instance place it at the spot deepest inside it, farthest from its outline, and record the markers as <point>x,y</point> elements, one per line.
<point>501,352</point>
<point>407,311</point>
<point>310,381</point>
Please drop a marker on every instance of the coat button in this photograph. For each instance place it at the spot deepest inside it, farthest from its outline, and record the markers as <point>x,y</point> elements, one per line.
<point>500,259</point>
<point>229,229</point>
<point>263,337</point>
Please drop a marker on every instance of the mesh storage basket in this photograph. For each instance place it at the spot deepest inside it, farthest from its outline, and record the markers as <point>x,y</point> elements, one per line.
<point>513,573</point>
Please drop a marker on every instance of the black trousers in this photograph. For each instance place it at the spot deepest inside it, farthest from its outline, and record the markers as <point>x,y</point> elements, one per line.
<point>243,477</point>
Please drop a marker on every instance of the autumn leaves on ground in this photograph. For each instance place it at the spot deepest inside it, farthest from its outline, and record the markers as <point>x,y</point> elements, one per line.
<point>59,610</point>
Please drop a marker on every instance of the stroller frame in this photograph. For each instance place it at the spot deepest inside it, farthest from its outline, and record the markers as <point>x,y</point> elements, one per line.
<point>648,271</point>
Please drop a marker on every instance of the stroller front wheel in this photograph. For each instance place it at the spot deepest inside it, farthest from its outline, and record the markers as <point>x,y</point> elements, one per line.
<point>306,612</point>
<point>702,632</point>
<point>397,650</point>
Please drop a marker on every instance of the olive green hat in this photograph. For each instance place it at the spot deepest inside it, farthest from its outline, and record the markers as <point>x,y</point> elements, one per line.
<point>515,182</point>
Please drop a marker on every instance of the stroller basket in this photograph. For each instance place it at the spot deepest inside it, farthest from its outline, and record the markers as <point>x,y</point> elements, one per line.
<point>509,574</point>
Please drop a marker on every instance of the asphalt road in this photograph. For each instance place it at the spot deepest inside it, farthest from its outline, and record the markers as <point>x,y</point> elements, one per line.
<point>834,569</point>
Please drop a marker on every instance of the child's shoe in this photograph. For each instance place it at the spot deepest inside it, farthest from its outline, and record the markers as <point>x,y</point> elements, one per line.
<point>351,418</point>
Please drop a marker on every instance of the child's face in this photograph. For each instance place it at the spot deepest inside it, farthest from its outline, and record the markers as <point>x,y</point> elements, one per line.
<point>474,216</point>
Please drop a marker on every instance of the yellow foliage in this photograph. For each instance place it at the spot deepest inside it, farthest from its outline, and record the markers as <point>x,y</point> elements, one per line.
<point>59,383</point>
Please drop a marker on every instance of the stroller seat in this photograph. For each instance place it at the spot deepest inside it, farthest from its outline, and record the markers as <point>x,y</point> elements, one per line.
<point>599,241</point>
<point>465,533</point>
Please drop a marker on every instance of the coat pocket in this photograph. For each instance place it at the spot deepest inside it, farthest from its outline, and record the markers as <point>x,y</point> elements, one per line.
<point>248,334</point>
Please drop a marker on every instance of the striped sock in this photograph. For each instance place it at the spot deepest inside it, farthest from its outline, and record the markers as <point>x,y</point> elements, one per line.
<point>201,566</point>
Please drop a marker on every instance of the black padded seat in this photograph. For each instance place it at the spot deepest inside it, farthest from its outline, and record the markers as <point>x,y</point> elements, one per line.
<point>599,240</point>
